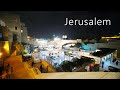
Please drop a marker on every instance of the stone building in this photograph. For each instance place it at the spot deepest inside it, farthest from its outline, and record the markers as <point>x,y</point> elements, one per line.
<point>4,44</point>
<point>24,33</point>
<point>13,23</point>
<point>17,31</point>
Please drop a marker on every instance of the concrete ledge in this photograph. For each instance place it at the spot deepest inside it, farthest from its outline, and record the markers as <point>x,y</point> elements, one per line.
<point>81,75</point>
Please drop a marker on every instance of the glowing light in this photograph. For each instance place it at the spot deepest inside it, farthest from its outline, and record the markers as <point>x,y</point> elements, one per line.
<point>110,37</point>
<point>6,47</point>
<point>0,54</point>
<point>56,38</point>
<point>70,52</point>
<point>107,39</point>
<point>43,41</point>
<point>37,40</point>
<point>21,31</point>
<point>28,37</point>
<point>35,50</point>
<point>64,36</point>
<point>97,50</point>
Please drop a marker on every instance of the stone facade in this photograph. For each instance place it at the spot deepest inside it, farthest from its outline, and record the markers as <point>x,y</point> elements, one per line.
<point>13,23</point>
<point>17,31</point>
<point>24,33</point>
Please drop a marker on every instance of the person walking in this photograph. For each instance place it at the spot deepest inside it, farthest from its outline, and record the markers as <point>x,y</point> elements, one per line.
<point>41,68</point>
<point>32,63</point>
<point>7,68</point>
<point>117,62</point>
<point>102,64</point>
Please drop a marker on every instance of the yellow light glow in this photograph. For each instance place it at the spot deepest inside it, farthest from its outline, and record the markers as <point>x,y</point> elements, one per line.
<point>0,54</point>
<point>6,47</point>
<point>107,39</point>
<point>70,52</point>
<point>110,37</point>
<point>28,37</point>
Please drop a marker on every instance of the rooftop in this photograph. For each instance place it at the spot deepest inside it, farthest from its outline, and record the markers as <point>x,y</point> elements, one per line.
<point>103,52</point>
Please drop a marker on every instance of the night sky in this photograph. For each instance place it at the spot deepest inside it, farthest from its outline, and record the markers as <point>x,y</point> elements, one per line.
<point>43,24</point>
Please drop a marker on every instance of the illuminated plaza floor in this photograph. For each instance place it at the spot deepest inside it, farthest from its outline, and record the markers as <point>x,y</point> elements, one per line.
<point>22,71</point>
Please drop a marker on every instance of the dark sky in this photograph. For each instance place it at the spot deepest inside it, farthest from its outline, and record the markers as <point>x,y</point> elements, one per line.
<point>43,24</point>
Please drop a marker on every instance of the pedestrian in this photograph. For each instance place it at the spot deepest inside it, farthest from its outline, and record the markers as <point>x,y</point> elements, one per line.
<point>117,62</point>
<point>102,64</point>
<point>8,65</point>
<point>8,76</point>
<point>11,69</point>
<point>7,68</point>
<point>32,63</point>
<point>114,60</point>
<point>85,68</point>
<point>47,69</point>
<point>41,68</point>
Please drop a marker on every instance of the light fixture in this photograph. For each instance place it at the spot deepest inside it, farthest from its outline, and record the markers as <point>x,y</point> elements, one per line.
<point>21,31</point>
<point>56,38</point>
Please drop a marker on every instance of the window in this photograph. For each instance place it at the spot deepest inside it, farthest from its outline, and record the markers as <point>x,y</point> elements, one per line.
<point>15,27</point>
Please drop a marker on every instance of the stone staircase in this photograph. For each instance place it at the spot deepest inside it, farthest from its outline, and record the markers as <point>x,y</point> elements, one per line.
<point>48,67</point>
<point>22,70</point>
<point>33,72</point>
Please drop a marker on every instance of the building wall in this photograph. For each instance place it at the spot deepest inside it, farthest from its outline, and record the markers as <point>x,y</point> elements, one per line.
<point>24,33</point>
<point>32,41</point>
<point>4,48</point>
<point>89,46</point>
<point>13,23</point>
<point>113,45</point>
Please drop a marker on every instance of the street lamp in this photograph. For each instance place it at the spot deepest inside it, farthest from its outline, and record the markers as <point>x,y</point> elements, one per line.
<point>64,36</point>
